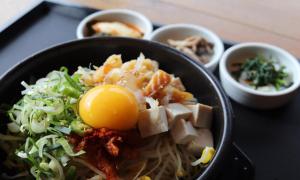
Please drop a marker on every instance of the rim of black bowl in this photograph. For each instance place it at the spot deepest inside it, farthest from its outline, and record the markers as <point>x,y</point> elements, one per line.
<point>226,137</point>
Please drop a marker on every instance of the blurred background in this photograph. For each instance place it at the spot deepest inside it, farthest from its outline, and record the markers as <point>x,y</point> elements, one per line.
<point>271,21</point>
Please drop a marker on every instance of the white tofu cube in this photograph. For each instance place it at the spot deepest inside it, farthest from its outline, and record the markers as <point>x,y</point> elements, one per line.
<point>153,121</point>
<point>202,115</point>
<point>203,139</point>
<point>176,111</point>
<point>183,132</point>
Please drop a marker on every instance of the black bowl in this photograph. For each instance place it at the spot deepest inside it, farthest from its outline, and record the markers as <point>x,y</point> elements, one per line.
<point>95,50</point>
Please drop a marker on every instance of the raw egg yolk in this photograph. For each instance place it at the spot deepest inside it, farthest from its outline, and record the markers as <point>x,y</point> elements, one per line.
<point>109,106</point>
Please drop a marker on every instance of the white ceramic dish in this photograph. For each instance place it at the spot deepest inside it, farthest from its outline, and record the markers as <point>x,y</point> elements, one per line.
<point>181,31</point>
<point>251,97</point>
<point>119,15</point>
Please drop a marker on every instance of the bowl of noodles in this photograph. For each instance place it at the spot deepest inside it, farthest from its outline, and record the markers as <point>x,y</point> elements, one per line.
<point>112,108</point>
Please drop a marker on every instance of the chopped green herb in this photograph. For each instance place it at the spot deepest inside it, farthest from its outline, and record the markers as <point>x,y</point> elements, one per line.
<point>260,71</point>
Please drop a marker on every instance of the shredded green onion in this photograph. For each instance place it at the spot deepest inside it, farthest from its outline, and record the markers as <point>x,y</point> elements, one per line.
<point>64,143</point>
<point>45,114</point>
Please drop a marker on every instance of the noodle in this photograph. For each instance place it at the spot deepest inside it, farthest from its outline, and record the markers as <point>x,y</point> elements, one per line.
<point>10,138</point>
<point>159,159</point>
<point>91,167</point>
<point>19,175</point>
<point>165,160</point>
<point>140,171</point>
<point>158,177</point>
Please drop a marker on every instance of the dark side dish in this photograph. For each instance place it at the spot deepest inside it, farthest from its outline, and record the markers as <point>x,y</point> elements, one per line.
<point>196,47</point>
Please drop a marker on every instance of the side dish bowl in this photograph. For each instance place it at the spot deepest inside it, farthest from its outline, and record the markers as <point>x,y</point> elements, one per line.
<point>252,97</point>
<point>182,31</point>
<point>119,15</point>
<point>96,50</point>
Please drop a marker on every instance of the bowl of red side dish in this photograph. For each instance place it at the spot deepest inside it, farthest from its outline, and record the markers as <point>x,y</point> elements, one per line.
<point>113,108</point>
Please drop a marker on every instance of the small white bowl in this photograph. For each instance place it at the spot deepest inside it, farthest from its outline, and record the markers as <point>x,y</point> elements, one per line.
<point>119,15</point>
<point>251,97</point>
<point>182,31</point>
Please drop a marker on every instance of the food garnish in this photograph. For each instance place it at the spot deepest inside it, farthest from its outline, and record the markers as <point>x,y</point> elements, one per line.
<point>196,47</point>
<point>207,155</point>
<point>262,73</point>
<point>126,120</point>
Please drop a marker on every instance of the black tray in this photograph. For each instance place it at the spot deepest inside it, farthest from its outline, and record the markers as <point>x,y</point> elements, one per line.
<point>269,137</point>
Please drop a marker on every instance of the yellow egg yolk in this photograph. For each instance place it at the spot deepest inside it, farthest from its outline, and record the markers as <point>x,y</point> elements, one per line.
<point>109,106</point>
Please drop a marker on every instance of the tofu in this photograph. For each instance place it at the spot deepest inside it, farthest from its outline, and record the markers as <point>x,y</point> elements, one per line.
<point>204,138</point>
<point>153,121</point>
<point>176,111</point>
<point>183,132</point>
<point>201,115</point>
